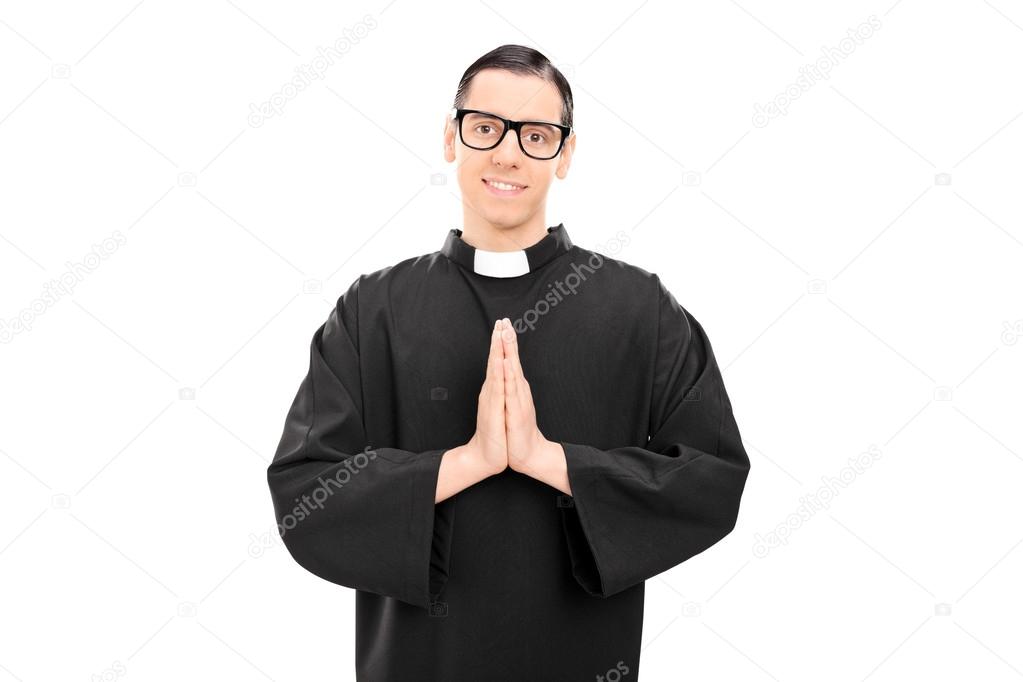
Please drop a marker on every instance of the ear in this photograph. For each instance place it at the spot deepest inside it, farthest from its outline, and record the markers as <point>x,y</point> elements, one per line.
<point>565,159</point>
<point>449,139</point>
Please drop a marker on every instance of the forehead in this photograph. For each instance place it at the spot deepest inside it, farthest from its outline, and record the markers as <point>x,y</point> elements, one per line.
<point>514,96</point>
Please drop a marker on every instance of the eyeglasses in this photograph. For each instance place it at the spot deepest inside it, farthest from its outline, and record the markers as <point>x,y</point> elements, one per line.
<point>482,130</point>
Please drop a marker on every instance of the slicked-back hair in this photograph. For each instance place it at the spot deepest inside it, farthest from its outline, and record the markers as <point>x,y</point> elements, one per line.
<point>524,61</point>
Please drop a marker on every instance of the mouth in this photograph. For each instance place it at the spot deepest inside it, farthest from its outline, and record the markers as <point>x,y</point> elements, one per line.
<point>503,189</point>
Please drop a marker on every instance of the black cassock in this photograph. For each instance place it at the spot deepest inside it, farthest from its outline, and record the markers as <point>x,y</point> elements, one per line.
<point>509,579</point>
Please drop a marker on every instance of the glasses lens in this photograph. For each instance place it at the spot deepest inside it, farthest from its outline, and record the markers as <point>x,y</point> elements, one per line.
<point>540,140</point>
<point>482,131</point>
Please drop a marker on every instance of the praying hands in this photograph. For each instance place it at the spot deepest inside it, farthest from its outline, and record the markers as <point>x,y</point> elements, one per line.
<point>506,432</point>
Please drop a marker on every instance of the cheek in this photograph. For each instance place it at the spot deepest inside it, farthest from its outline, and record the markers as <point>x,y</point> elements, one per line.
<point>469,181</point>
<point>541,182</point>
<point>469,169</point>
<point>543,175</point>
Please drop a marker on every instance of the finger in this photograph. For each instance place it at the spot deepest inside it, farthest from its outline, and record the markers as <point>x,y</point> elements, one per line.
<point>527,394</point>
<point>498,371</point>
<point>494,368</point>
<point>511,345</point>
<point>511,395</point>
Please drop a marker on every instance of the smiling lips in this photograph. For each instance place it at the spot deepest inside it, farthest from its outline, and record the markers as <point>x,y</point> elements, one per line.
<point>503,189</point>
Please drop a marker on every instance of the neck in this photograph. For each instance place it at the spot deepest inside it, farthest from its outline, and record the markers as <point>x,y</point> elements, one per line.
<point>483,234</point>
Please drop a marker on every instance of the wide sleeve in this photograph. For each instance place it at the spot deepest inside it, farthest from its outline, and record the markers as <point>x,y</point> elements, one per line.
<point>351,512</point>
<point>635,512</point>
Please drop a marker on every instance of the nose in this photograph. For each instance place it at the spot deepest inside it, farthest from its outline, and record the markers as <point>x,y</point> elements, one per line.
<point>507,153</point>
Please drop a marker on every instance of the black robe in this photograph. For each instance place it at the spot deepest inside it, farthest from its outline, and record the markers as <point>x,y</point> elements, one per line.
<point>508,579</point>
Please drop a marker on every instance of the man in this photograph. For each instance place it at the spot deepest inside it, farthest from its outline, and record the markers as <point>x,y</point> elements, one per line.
<point>497,443</point>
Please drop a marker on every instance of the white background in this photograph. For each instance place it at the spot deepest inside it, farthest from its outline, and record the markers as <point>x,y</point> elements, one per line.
<point>855,261</point>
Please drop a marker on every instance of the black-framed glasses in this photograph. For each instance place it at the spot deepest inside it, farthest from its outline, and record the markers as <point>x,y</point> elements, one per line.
<point>483,130</point>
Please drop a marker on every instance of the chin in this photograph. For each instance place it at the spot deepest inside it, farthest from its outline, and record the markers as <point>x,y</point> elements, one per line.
<point>505,216</point>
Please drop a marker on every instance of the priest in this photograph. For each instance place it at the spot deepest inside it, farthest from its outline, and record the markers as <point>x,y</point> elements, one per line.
<point>498,442</point>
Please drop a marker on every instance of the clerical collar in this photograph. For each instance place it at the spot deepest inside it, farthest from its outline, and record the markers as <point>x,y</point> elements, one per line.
<point>507,263</point>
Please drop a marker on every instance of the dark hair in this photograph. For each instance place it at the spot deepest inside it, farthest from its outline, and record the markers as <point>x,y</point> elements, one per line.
<point>524,61</point>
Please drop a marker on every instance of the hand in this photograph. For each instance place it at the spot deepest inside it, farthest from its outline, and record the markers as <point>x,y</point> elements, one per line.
<point>489,443</point>
<point>526,445</point>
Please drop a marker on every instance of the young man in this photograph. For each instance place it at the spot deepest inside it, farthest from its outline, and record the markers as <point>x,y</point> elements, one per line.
<point>498,442</point>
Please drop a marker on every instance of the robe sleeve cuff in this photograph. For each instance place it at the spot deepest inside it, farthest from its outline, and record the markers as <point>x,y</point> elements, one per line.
<point>426,570</point>
<point>582,532</point>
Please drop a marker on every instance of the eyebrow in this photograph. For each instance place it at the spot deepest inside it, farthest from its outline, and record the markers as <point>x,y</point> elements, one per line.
<point>530,118</point>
